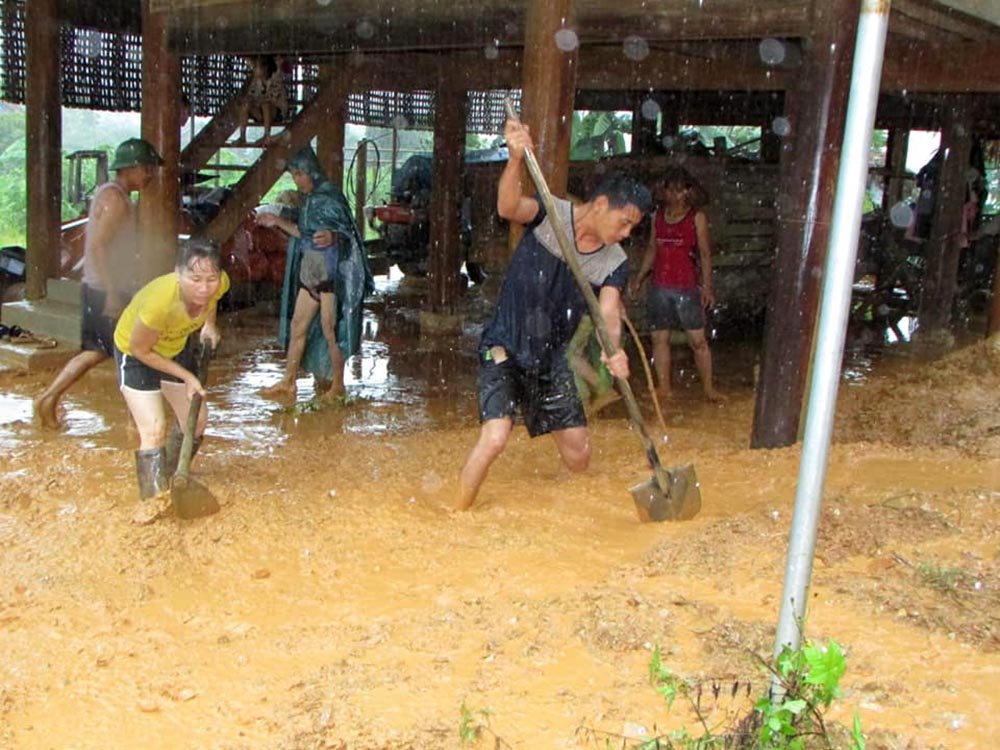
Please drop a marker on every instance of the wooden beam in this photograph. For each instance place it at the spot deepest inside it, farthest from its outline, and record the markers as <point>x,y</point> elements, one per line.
<point>816,110</point>
<point>44,145</point>
<point>967,68</point>
<point>446,198</point>
<point>266,171</point>
<point>159,203</point>
<point>330,141</point>
<point>943,249</point>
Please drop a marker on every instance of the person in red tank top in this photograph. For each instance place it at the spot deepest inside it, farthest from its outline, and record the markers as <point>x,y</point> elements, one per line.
<point>679,260</point>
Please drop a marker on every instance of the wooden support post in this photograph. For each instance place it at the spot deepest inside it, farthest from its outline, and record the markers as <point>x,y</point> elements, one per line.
<point>895,164</point>
<point>548,87</point>
<point>644,135</point>
<point>330,141</point>
<point>942,250</point>
<point>816,108</point>
<point>159,204</point>
<point>360,185</point>
<point>44,145</point>
<point>446,198</point>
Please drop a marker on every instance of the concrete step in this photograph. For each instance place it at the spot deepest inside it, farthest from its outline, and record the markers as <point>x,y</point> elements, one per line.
<point>63,290</point>
<point>32,358</point>
<point>46,317</point>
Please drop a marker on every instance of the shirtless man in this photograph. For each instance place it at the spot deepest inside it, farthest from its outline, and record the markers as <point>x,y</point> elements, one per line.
<point>110,269</point>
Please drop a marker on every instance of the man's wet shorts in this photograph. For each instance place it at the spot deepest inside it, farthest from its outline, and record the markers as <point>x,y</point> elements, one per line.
<point>318,270</point>
<point>547,399</point>
<point>97,330</point>
<point>675,309</point>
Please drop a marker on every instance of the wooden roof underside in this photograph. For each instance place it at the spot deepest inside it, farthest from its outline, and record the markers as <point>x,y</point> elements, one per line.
<point>937,46</point>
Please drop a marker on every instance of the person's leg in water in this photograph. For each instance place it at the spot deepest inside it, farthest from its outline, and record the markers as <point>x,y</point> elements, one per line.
<point>46,402</point>
<point>493,439</point>
<point>146,408</point>
<point>328,322</point>
<point>574,447</point>
<point>661,362</point>
<point>176,395</point>
<point>305,310</point>
<point>703,361</point>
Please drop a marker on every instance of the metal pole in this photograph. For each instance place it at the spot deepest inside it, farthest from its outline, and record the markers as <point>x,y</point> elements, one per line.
<point>842,250</point>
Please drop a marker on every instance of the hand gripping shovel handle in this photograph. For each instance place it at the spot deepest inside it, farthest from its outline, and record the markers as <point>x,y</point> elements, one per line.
<point>569,255</point>
<point>187,445</point>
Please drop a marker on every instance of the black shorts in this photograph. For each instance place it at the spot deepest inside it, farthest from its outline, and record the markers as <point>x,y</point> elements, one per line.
<point>97,330</point>
<point>135,374</point>
<point>675,309</point>
<point>547,399</point>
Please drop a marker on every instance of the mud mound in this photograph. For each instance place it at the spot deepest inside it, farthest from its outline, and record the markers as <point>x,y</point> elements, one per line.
<point>949,402</point>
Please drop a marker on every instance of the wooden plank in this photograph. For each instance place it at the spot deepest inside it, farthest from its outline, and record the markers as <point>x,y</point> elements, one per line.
<point>213,135</point>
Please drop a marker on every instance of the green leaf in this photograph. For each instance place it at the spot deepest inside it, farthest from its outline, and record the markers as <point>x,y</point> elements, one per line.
<point>826,666</point>
<point>794,706</point>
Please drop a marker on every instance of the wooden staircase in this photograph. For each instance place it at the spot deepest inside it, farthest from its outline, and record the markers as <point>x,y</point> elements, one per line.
<point>260,176</point>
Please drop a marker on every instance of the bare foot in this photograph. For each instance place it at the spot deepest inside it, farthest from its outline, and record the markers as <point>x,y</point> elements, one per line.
<point>280,390</point>
<point>714,396</point>
<point>334,394</point>
<point>44,409</point>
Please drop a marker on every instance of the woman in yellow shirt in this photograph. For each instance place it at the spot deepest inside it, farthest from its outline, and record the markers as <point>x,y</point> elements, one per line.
<point>156,356</point>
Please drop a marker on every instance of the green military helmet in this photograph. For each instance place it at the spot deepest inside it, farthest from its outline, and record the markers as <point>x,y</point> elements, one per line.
<point>135,152</point>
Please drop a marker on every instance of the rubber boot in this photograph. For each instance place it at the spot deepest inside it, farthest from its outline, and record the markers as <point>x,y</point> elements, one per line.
<point>172,450</point>
<point>149,470</point>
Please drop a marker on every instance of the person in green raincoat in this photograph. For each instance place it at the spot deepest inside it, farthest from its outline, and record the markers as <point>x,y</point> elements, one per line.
<point>326,273</point>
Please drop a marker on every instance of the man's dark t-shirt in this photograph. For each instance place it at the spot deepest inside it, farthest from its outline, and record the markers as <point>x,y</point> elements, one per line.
<point>540,304</point>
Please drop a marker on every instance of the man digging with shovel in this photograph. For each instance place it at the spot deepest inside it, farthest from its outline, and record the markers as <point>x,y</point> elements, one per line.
<point>523,364</point>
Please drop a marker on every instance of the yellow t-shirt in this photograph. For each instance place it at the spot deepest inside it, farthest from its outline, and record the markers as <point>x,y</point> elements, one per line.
<point>158,305</point>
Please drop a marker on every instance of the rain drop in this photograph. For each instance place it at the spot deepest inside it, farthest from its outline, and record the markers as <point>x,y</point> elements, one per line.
<point>668,141</point>
<point>89,44</point>
<point>491,51</point>
<point>635,48</point>
<point>781,126</point>
<point>432,482</point>
<point>567,40</point>
<point>323,2</point>
<point>365,29</point>
<point>771,51</point>
<point>650,109</point>
<point>400,122</point>
<point>901,215</point>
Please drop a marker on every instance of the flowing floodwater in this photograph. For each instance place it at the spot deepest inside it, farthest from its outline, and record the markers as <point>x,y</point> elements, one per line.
<point>336,602</point>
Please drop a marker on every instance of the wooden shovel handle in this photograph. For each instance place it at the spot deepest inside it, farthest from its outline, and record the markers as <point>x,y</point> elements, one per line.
<point>187,445</point>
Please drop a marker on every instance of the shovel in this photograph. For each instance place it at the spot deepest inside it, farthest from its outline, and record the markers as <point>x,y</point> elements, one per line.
<point>192,499</point>
<point>670,495</point>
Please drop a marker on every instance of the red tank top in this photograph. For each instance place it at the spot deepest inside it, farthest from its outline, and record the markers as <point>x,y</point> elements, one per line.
<point>676,252</point>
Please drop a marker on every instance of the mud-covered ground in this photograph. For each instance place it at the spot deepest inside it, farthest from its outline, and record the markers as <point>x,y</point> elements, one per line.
<point>334,602</point>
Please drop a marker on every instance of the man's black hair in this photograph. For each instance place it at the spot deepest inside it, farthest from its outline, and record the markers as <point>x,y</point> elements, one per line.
<point>191,251</point>
<point>622,191</point>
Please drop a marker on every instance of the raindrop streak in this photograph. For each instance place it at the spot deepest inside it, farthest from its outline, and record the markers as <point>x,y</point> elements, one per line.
<point>771,51</point>
<point>650,109</point>
<point>781,126</point>
<point>567,40</point>
<point>635,48</point>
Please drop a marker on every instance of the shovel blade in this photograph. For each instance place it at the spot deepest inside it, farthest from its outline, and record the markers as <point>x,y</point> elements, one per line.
<point>681,503</point>
<point>192,499</point>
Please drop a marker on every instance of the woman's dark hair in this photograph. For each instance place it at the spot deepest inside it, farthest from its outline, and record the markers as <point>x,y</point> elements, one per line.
<point>270,63</point>
<point>191,251</point>
<point>677,178</point>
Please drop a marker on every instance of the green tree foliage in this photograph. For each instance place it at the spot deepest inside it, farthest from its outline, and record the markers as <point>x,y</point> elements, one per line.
<point>599,134</point>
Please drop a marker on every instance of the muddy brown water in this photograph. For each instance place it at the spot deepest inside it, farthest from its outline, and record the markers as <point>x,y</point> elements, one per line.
<point>335,602</point>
